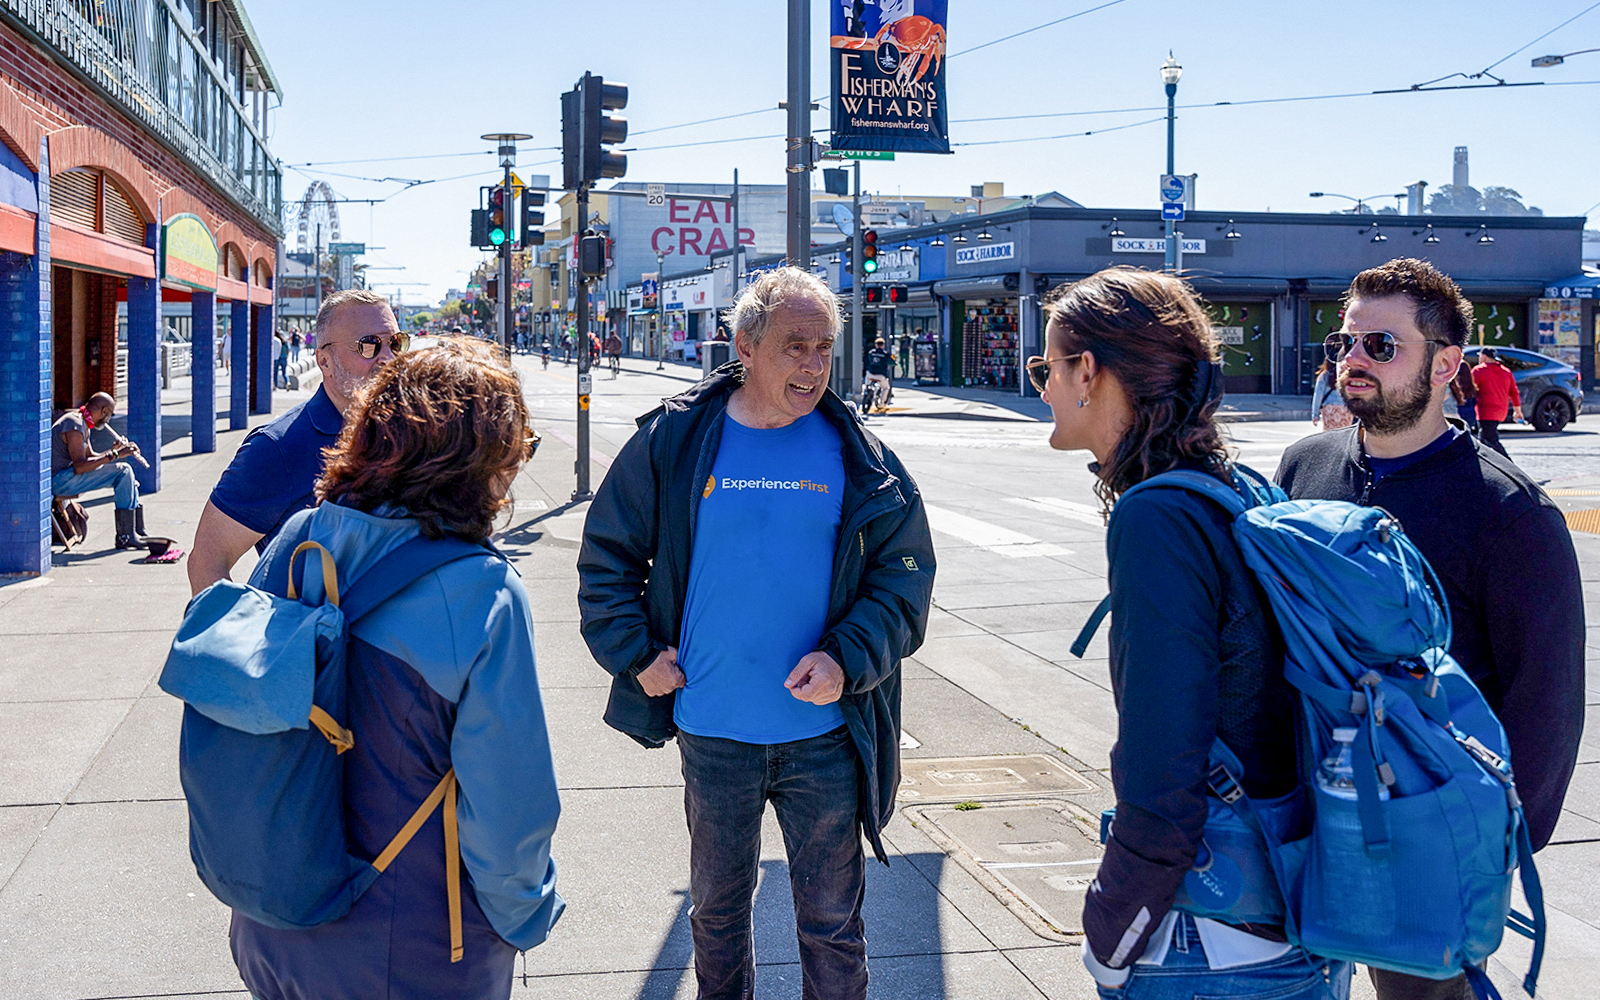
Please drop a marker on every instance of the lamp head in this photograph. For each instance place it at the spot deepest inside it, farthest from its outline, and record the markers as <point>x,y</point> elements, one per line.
<point>1171,71</point>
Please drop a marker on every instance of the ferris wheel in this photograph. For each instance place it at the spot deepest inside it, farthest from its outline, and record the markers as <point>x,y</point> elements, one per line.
<point>317,208</point>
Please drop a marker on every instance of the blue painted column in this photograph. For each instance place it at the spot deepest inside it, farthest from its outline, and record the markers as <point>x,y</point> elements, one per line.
<point>263,335</point>
<point>203,371</point>
<point>25,345</point>
<point>144,367</point>
<point>239,365</point>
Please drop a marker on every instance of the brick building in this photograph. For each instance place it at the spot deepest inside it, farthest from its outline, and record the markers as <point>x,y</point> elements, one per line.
<point>135,186</point>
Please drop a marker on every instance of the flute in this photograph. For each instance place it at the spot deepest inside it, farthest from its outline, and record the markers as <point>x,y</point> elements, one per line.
<point>122,440</point>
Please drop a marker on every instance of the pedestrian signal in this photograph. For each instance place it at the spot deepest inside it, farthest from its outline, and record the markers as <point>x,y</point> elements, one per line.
<point>898,295</point>
<point>592,256</point>
<point>480,227</point>
<point>872,295</point>
<point>869,251</point>
<point>532,220</point>
<point>491,288</point>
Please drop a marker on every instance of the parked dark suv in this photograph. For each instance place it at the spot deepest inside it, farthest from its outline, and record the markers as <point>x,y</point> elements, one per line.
<point>1551,396</point>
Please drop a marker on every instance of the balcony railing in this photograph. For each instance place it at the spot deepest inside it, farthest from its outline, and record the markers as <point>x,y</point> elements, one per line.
<point>140,57</point>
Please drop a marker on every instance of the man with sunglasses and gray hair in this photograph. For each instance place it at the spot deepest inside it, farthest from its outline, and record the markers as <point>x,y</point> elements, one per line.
<point>1500,547</point>
<point>271,476</point>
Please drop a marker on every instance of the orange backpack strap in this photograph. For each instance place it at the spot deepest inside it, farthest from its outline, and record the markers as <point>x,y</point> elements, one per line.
<point>341,738</point>
<point>444,791</point>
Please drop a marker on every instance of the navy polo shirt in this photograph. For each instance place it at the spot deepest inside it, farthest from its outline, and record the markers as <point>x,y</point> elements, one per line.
<point>272,475</point>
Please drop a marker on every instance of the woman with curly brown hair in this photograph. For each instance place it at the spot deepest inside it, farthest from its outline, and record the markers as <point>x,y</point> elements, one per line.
<point>1131,374</point>
<point>440,682</point>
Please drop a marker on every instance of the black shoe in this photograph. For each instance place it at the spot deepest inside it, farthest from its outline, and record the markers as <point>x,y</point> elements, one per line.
<point>128,536</point>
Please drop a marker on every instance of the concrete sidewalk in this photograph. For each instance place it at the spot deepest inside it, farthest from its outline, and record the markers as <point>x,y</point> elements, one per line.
<point>98,898</point>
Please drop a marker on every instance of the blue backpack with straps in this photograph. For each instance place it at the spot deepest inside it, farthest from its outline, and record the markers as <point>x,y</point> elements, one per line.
<point>1410,869</point>
<point>263,681</point>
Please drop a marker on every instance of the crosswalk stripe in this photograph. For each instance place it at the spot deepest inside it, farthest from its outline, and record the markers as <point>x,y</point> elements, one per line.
<point>1072,511</point>
<point>992,537</point>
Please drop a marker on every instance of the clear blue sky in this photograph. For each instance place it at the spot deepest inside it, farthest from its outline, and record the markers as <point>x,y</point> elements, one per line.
<point>370,80</point>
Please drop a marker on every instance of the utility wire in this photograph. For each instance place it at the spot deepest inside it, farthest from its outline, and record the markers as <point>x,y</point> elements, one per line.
<point>1039,27</point>
<point>1541,38</point>
<point>1065,135</point>
<point>389,159</point>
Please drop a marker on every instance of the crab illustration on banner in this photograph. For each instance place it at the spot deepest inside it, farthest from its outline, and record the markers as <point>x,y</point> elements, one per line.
<point>888,60</point>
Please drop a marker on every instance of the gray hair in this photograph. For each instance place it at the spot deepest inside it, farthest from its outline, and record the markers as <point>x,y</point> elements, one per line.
<point>761,298</point>
<point>350,296</point>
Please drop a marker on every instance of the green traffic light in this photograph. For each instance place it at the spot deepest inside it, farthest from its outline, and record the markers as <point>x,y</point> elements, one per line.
<point>868,266</point>
<point>497,236</point>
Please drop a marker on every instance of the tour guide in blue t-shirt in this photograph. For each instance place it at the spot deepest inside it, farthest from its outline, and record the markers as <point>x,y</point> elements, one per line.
<point>754,568</point>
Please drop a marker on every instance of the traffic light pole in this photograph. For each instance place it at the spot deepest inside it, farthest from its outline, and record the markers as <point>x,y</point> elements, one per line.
<point>582,491</point>
<point>508,310</point>
<point>852,351</point>
<point>800,142</point>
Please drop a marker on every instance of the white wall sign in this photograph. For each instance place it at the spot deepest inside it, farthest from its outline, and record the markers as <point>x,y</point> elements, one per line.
<point>983,254</point>
<point>896,265</point>
<point>1230,335</point>
<point>1128,244</point>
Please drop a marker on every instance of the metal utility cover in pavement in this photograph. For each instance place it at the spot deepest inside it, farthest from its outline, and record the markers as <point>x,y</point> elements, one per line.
<point>1037,858</point>
<point>957,779</point>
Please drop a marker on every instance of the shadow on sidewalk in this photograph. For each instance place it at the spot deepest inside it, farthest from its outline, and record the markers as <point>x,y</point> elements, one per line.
<point>903,933</point>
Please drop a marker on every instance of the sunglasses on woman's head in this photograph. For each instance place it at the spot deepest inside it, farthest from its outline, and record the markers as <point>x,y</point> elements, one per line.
<point>1379,345</point>
<point>370,345</point>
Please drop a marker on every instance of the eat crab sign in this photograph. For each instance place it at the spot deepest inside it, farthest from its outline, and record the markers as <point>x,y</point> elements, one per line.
<point>888,77</point>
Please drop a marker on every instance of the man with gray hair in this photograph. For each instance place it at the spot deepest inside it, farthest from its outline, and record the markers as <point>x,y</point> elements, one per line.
<point>754,568</point>
<point>272,475</point>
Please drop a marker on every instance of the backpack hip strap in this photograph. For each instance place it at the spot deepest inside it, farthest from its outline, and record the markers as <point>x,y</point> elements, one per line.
<point>444,791</point>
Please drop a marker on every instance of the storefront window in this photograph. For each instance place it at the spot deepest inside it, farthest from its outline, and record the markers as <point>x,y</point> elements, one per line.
<point>990,352</point>
<point>1499,324</point>
<point>1245,332</point>
<point>1560,325</point>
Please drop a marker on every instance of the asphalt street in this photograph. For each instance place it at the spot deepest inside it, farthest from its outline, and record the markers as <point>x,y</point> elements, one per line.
<point>1007,738</point>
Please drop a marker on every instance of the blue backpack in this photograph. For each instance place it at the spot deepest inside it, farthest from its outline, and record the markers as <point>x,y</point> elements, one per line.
<point>263,681</point>
<point>1411,869</point>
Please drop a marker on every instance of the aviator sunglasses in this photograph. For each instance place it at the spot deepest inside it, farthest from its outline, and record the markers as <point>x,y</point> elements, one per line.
<point>1038,368</point>
<point>369,346</point>
<point>1379,345</point>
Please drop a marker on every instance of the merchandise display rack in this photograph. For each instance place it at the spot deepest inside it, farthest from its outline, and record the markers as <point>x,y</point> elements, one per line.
<point>990,353</point>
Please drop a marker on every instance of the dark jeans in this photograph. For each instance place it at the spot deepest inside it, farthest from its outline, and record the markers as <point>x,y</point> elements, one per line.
<point>813,786</point>
<point>1399,986</point>
<point>1489,434</point>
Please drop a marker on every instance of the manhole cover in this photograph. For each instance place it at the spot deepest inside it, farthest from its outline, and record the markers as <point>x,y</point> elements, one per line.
<point>1037,858</point>
<point>957,779</point>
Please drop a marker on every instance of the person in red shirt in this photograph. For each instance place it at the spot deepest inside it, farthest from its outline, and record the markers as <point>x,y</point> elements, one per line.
<point>1498,399</point>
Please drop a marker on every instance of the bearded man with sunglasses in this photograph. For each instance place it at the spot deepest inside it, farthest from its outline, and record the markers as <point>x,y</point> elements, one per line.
<point>1500,547</point>
<point>272,475</point>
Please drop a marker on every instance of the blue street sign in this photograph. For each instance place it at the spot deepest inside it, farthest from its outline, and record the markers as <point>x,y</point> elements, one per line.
<point>1172,213</point>
<point>1173,188</point>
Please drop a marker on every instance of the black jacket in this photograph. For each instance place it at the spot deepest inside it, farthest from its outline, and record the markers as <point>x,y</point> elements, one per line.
<point>1505,557</point>
<point>1195,655</point>
<point>633,575</point>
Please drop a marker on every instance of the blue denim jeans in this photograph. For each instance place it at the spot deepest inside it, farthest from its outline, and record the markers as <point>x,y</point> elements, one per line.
<point>116,476</point>
<point>813,786</point>
<point>1298,975</point>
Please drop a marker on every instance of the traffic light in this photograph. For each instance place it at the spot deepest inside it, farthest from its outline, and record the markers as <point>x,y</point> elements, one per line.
<point>869,251</point>
<point>497,216</point>
<point>872,295</point>
<point>491,288</point>
<point>532,221</point>
<point>480,227</point>
<point>592,256</point>
<point>600,129</point>
<point>586,130</point>
<point>898,295</point>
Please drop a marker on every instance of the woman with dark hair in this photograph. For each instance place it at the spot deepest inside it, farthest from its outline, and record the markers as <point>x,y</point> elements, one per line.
<point>440,678</point>
<point>1327,403</point>
<point>1131,375</point>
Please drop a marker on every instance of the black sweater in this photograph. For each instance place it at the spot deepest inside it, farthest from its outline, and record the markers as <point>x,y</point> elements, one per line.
<point>1195,655</point>
<point>1505,557</point>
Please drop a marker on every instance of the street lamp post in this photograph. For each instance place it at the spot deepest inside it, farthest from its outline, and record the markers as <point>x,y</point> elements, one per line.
<point>1360,202</point>
<point>1170,72</point>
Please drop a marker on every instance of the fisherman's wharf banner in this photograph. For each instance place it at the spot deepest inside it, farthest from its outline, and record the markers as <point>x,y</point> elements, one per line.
<point>888,75</point>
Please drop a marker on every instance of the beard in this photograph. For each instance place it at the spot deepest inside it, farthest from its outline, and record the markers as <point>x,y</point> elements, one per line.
<point>1384,414</point>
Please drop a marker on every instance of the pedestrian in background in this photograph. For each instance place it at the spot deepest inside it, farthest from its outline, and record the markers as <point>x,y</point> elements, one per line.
<point>1327,406</point>
<point>294,346</point>
<point>441,679</point>
<point>280,361</point>
<point>1498,398</point>
<point>225,348</point>
<point>1132,374</point>
<point>754,568</point>
<point>1465,393</point>
<point>1500,547</point>
<point>614,353</point>
<point>274,471</point>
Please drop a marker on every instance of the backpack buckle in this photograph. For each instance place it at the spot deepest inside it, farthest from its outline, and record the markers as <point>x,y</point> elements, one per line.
<point>1223,784</point>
